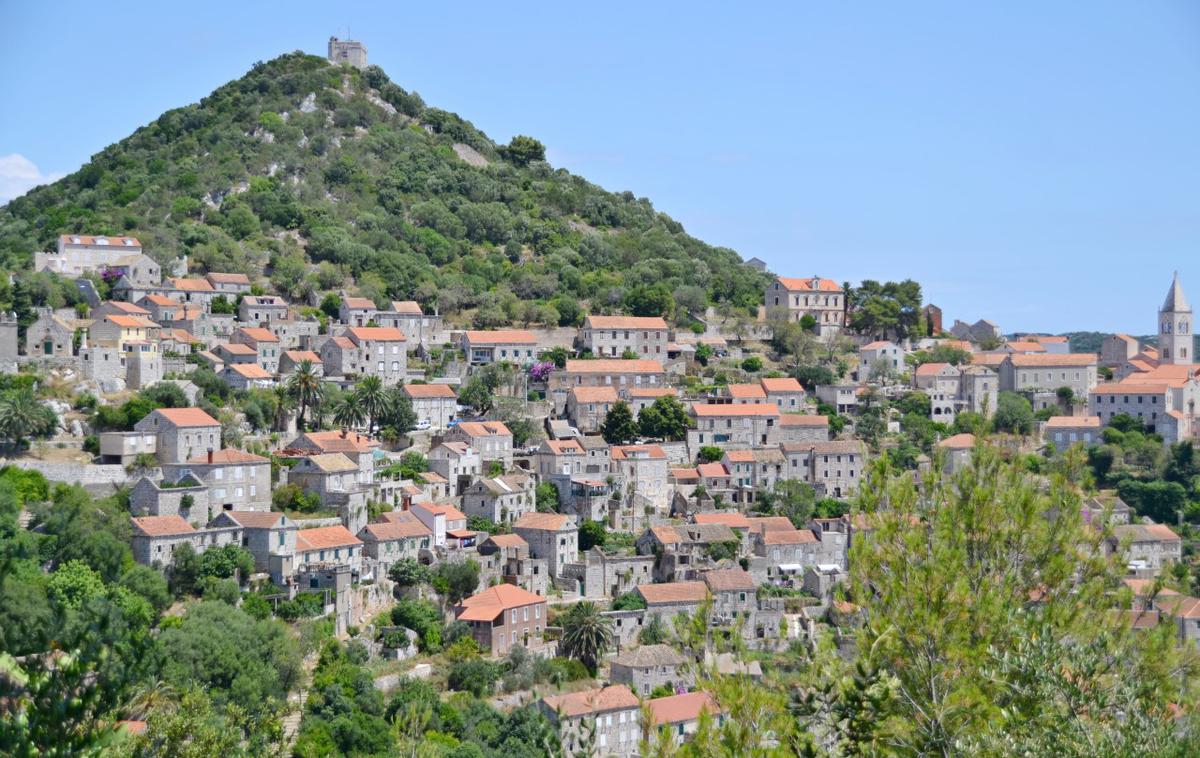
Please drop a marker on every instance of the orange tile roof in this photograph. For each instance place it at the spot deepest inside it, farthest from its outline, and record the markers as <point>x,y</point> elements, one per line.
<point>483,428</point>
<point>707,410</point>
<point>714,470</point>
<point>324,537</point>
<point>502,337</point>
<point>187,417</point>
<point>1051,360</point>
<point>376,333</point>
<point>395,530</point>
<point>191,285</point>
<point>1025,346</point>
<point>594,394</point>
<point>781,384</point>
<point>1179,606</point>
<point>158,299</point>
<point>443,509</point>
<point>229,455</point>
<point>746,390</point>
<point>677,709</point>
<point>788,537</point>
<point>762,524</point>
<point>1049,339</point>
<point>811,284</point>
<point>487,605</point>
<point>931,369</point>
<point>565,447</point>
<point>1128,387</point>
<point>550,522</point>
<point>803,419</point>
<point>255,519</point>
<point>161,526</point>
<point>729,580</point>
<point>674,592</point>
<point>225,278</point>
<point>429,390</point>
<point>397,517</point>
<point>256,333</point>
<point>740,456</point>
<point>964,441</point>
<point>507,540</point>
<point>650,391</point>
<point>339,442</point>
<point>359,303</point>
<point>614,366</point>
<point>638,452</point>
<point>249,370</point>
<point>731,519</point>
<point>612,698</point>
<point>130,322</point>
<point>407,307</point>
<point>128,309</point>
<point>1073,421</point>
<point>236,348</point>
<point>302,355</point>
<point>991,359</point>
<point>684,474</point>
<point>624,322</point>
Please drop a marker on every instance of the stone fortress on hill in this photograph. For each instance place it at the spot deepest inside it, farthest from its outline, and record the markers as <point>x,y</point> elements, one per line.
<point>347,51</point>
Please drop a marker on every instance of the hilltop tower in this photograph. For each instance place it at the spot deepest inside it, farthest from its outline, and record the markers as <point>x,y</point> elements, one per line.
<point>347,51</point>
<point>1175,327</point>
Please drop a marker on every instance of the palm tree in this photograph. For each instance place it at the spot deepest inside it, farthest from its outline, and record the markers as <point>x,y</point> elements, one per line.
<point>305,386</point>
<point>372,398</point>
<point>284,404</point>
<point>22,416</point>
<point>349,412</point>
<point>586,634</point>
<point>151,697</point>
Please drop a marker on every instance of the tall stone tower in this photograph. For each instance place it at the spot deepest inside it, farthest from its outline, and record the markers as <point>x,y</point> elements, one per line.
<point>1175,327</point>
<point>347,51</point>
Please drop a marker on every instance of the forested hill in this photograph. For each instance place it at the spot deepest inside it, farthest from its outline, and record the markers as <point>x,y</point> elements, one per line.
<point>318,176</point>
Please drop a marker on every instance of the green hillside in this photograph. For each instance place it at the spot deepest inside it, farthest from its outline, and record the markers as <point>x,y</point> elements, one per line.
<point>323,177</point>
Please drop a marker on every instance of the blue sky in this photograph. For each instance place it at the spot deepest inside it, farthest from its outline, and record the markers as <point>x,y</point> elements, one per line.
<point>1034,163</point>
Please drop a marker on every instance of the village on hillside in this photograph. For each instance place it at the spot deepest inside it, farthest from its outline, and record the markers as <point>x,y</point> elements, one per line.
<point>651,471</point>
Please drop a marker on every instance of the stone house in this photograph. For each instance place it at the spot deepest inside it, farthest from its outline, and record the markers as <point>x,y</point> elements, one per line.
<point>418,328</point>
<point>552,536</point>
<point>181,433</point>
<point>802,427</point>
<point>294,333</point>
<point>1024,373</point>
<point>290,360</point>
<point>51,334</point>
<point>733,426</point>
<point>335,479</point>
<point>378,351</point>
<point>842,396</point>
<point>447,523</point>
<point>155,538</point>
<point>648,667</point>
<point>587,407</point>
<point>192,291</point>
<point>667,600</point>
<point>265,345</point>
<point>754,470</point>
<point>356,311</point>
<point>734,596</point>
<point>228,283</point>
<point>601,575</point>
<point>559,459</point>
<point>506,558</point>
<point>501,500</point>
<point>680,715</point>
<point>822,299</point>
<point>685,551</point>
<point>1063,431</point>
<point>644,336</point>
<point>245,376</point>
<point>357,447</point>
<point>236,480</point>
<point>158,308</point>
<point>604,721</point>
<point>1118,349</point>
<point>338,356</point>
<point>785,392</point>
<point>835,467</point>
<point>605,372</point>
<point>435,403</point>
<point>115,330</point>
<point>391,541</point>
<point>503,617</point>
<point>186,497</point>
<point>78,254</point>
<point>325,545</point>
<point>513,345</point>
<point>599,455</point>
<point>641,398</point>
<point>641,472</point>
<point>789,551</point>
<point>742,394</point>
<point>1148,547</point>
<point>491,439</point>
<point>235,353</point>
<point>883,354</point>
<point>958,450</point>
<point>269,536</point>
<point>261,310</point>
<point>457,462</point>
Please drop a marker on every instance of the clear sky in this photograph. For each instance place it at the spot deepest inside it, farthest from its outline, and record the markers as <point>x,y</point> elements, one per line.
<point>1030,162</point>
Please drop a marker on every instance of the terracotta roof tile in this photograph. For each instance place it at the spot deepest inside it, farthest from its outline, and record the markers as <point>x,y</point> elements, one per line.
<point>487,605</point>
<point>715,410</point>
<point>552,522</point>
<point>502,337</point>
<point>226,456</point>
<point>429,390</point>
<point>375,334</point>
<point>612,698</point>
<point>624,322</point>
<point>811,284</point>
<point>187,417</point>
<point>161,526</point>
<point>324,537</point>
<point>614,366</point>
<point>676,709</point>
<point>673,592</point>
<point>729,580</point>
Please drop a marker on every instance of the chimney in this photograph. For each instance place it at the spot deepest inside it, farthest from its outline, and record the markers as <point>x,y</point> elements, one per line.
<point>210,452</point>
<point>343,432</point>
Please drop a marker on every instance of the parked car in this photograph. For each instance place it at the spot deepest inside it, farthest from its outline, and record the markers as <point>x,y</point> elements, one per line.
<point>423,424</point>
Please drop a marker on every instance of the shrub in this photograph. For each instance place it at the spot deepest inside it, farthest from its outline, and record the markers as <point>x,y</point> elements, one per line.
<point>477,676</point>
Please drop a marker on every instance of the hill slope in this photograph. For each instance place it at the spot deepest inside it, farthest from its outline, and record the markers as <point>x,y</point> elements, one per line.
<point>313,174</point>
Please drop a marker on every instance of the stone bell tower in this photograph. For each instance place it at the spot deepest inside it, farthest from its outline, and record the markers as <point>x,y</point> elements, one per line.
<point>1175,327</point>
